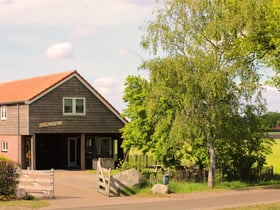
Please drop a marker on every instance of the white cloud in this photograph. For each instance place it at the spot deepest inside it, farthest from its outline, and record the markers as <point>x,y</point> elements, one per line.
<point>73,12</point>
<point>6,1</point>
<point>272,97</point>
<point>60,50</point>
<point>112,89</point>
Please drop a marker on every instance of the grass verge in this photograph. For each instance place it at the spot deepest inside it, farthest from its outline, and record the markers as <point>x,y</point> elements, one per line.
<point>23,204</point>
<point>274,157</point>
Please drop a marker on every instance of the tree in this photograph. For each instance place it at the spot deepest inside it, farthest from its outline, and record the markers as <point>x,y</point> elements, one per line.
<point>137,132</point>
<point>261,37</point>
<point>199,85</point>
<point>199,38</point>
<point>249,145</point>
<point>273,119</point>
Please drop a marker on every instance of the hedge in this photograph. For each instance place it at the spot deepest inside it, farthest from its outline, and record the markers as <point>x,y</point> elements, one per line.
<point>8,179</point>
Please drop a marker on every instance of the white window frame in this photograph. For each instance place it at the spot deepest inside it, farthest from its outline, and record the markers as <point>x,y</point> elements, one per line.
<point>4,112</point>
<point>74,111</point>
<point>4,146</point>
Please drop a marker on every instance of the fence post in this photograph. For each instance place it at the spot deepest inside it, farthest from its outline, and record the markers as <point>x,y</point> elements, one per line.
<point>109,182</point>
<point>52,181</point>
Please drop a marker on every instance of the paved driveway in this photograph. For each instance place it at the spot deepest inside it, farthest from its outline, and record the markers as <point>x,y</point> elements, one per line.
<point>78,190</point>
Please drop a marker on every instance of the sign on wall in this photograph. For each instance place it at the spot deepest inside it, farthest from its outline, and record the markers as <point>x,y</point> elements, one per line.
<point>50,124</point>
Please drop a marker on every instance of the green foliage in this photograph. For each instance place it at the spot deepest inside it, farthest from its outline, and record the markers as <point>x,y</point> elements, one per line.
<point>273,119</point>
<point>203,98</point>
<point>2,158</point>
<point>273,159</point>
<point>247,148</point>
<point>184,187</point>
<point>125,165</point>
<point>136,133</point>
<point>8,179</point>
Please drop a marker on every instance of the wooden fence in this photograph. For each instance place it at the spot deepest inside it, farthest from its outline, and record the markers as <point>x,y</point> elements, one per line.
<point>106,183</point>
<point>36,182</point>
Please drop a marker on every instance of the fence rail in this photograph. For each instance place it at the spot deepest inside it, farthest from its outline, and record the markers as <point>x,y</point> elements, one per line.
<point>37,182</point>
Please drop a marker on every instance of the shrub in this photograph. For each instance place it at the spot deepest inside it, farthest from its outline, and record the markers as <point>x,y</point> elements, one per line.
<point>8,179</point>
<point>125,165</point>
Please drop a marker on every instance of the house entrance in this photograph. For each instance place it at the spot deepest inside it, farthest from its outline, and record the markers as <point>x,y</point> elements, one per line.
<point>58,151</point>
<point>72,152</point>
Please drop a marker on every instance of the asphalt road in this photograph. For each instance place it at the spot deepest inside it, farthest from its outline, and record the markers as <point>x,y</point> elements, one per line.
<point>77,190</point>
<point>215,201</point>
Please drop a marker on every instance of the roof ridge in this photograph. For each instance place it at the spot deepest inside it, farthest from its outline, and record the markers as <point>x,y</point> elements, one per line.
<point>40,76</point>
<point>29,88</point>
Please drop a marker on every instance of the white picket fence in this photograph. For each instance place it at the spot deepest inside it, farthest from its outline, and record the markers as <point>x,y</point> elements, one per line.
<point>36,182</point>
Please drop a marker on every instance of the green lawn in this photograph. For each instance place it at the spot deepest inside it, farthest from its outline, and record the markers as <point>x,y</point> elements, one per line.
<point>274,158</point>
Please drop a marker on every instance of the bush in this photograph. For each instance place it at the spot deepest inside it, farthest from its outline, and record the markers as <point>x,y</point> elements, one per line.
<point>125,165</point>
<point>8,179</point>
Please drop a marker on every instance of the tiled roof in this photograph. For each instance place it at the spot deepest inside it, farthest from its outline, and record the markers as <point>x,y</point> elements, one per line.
<point>28,89</point>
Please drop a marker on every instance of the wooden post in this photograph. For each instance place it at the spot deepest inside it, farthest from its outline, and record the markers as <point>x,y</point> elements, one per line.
<point>33,153</point>
<point>83,151</point>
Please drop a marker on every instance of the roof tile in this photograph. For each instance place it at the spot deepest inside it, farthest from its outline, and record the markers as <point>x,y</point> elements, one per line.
<point>28,89</point>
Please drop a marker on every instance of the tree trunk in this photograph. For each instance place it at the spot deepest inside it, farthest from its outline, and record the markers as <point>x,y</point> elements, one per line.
<point>212,167</point>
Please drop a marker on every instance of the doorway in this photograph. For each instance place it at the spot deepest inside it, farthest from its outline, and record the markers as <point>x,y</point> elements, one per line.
<point>72,152</point>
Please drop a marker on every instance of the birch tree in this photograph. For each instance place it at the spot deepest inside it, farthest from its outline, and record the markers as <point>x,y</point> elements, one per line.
<point>198,80</point>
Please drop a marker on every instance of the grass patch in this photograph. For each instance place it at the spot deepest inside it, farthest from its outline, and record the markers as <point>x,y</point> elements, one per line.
<point>137,190</point>
<point>113,171</point>
<point>183,187</point>
<point>23,204</point>
<point>235,185</point>
<point>274,158</point>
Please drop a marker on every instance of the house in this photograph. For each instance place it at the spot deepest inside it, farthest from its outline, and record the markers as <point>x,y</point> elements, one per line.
<point>57,121</point>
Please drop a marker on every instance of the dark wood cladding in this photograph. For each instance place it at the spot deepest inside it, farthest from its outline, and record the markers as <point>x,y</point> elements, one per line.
<point>49,108</point>
<point>17,120</point>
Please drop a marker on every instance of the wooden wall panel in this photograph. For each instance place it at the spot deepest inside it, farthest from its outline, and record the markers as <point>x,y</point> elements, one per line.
<point>49,108</point>
<point>15,122</point>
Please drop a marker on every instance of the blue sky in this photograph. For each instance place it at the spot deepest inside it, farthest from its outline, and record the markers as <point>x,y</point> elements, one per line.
<point>98,38</point>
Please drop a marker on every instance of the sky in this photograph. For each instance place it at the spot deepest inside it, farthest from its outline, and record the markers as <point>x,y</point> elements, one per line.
<point>98,38</point>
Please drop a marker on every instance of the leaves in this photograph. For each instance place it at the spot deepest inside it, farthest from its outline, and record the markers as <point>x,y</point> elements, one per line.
<point>203,95</point>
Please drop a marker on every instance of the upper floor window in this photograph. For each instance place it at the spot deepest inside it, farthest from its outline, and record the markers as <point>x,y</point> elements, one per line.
<point>74,106</point>
<point>3,112</point>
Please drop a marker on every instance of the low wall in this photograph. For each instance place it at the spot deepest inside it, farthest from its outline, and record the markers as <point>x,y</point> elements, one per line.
<point>105,163</point>
<point>37,182</point>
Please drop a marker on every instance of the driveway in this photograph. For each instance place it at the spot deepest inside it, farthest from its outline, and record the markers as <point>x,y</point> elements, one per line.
<point>78,190</point>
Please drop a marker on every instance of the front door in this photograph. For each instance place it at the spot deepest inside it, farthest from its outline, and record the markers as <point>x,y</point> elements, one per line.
<point>72,152</point>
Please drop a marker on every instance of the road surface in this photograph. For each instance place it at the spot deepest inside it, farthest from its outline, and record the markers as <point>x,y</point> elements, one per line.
<point>78,190</point>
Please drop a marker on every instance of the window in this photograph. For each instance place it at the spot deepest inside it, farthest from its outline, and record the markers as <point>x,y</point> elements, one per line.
<point>74,106</point>
<point>4,146</point>
<point>3,112</point>
<point>104,147</point>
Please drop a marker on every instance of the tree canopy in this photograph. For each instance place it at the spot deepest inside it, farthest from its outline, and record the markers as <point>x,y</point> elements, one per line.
<point>203,96</point>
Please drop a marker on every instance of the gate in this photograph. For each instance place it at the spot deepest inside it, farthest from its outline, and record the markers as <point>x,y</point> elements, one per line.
<point>106,183</point>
